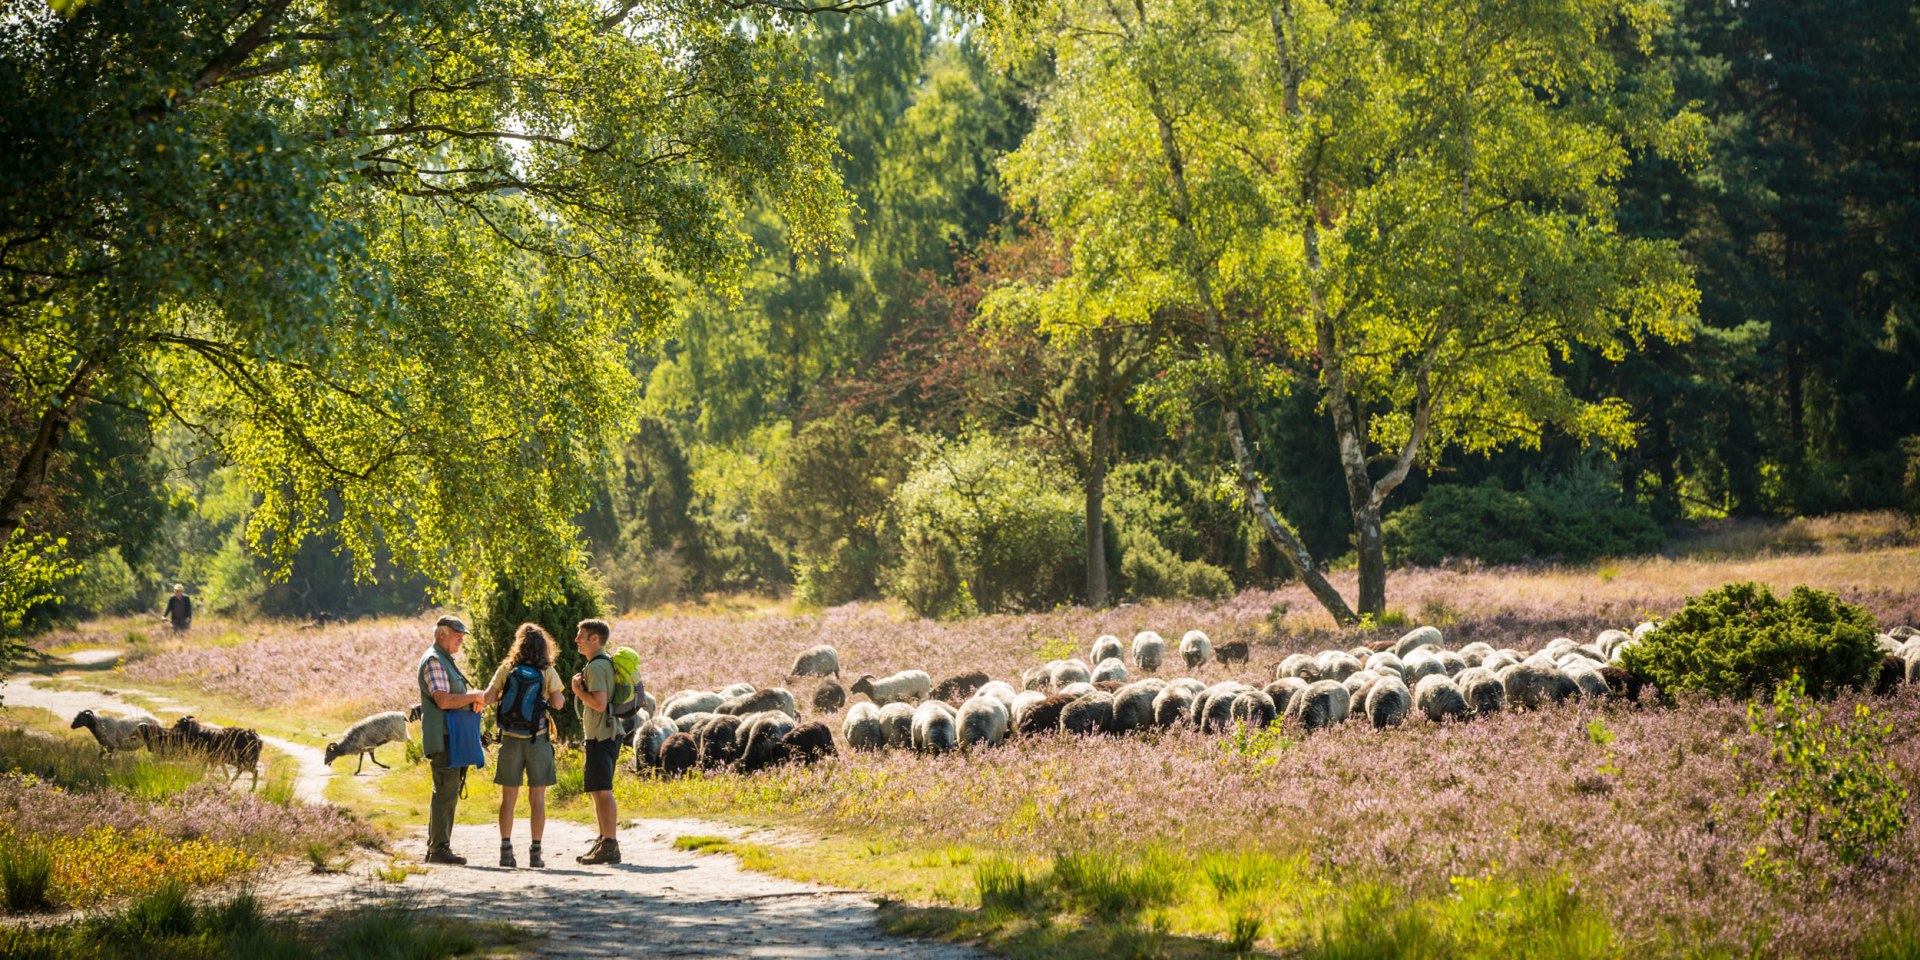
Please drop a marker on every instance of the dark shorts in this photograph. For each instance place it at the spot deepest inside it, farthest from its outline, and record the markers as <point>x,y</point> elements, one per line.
<point>602,755</point>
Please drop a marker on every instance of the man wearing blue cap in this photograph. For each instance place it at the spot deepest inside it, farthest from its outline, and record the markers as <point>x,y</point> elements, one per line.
<point>443,688</point>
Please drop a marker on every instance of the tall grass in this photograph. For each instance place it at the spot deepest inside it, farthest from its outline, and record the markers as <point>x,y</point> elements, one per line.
<point>26,877</point>
<point>75,763</point>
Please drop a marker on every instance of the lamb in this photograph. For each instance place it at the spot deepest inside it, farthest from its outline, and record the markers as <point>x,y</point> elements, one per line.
<point>902,687</point>
<point>365,737</point>
<point>1172,705</point>
<point>896,724</point>
<point>1282,690</point>
<point>1439,698</point>
<point>1044,716</point>
<point>678,754</point>
<point>1387,703</point>
<point>1105,647</point>
<point>1110,669</point>
<point>983,721</point>
<point>955,689</point>
<point>1195,648</point>
<point>648,740</point>
<point>1090,714</point>
<point>1416,638</point>
<point>809,742</point>
<point>225,746</point>
<point>760,701</point>
<point>861,728</point>
<point>119,733</point>
<point>1482,689</point>
<point>821,661</point>
<point>1133,705</point>
<point>935,728</point>
<point>717,742</point>
<point>1322,704</point>
<point>1231,652</point>
<point>763,740</point>
<point>1148,651</point>
<point>829,697</point>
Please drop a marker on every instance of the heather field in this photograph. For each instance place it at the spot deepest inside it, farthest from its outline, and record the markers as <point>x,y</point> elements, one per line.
<point>1620,830</point>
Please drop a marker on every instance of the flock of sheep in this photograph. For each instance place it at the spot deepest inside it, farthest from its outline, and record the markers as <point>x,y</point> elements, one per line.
<point>231,747</point>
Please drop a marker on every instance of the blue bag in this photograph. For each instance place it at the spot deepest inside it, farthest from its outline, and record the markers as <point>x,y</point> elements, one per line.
<point>463,739</point>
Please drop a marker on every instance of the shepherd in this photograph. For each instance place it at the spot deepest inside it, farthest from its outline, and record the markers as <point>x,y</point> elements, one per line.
<point>443,688</point>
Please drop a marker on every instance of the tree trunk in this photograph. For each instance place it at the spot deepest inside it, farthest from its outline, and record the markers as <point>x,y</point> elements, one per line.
<point>1290,547</point>
<point>1097,475</point>
<point>1373,562</point>
<point>30,474</point>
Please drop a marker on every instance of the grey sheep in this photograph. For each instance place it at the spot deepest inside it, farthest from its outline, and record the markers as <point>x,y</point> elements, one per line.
<point>896,724</point>
<point>1195,649</point>
<point>1482,689</point>
<point>1133,705</point>
<point>1078,688</point>
<point>862,729</point>
<point>1148,651</point>
<point>369,734</point>
<point>902,687</point>
<point>121,733</point>
<point>1336,665</point>
<point>1585,675</point>
<point>1110,669</point>
<point>821,661</point>
<point>1387,702</point>
<point>732,690</point>
<point>1536,681</point>
<point>830,696</point>
<point>1064,672</point>
<point>983,721</point>
<point>1384,661</point>
<point>1450,662</point>
<point>1322,704</point>
<point>762,740</point>
<point>760,701</point>
<point>1090,714</point>
<point>1036,678</point>
<point>647,741</point>
<point>1213,708</point>
<point>1421,663</point>
<point>1105,647</point>
<point>999,690</point>
<point>934,727</point>
<point>1024,702</point>
<point>1300,666</point>
<point>691,701</point>
<point>1255,709</point>
<point>1416,638</point>
<point>1439,698</point>
<point>1282,690</point>
<point>1476,653</point>
<point>1358,683</point>
<point>1174,704</point>
<point>957,688</point>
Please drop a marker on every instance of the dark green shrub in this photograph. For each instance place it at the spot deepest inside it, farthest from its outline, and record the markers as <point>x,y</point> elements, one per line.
<point>1575,518</point>
<point>503,606</point>
<point>1742,638</point>
<point>1149,569</point>
<point>828,499</point>
<point>1171,536</point>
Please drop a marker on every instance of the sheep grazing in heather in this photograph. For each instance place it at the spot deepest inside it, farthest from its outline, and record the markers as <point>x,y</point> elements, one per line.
<point>223,746</point>
<point>1110,670</point>
<point>1622,684</point>
<point>1171,706</point>
<point>1421,663</point>
<point>1213,707</point>
<point>936,728</point>
<point>1585,675</point>
<point>862,729</point>
<point>1451,663</point>
<point>821,661</point>
<point>1500,660</point>
<point>1036,678</point>
<point>1282,690</point>
<point>829,697</point>
<point>1105,647</point>
<point>365,737</point>
<point>1640,632</point>
<point>902,687</point>
<point>1061,673</point>
<point>763,741</point>
<point>777,699</point>
<point>1300,667</point>
<point>1090,714</point>
<point>1358,683</point>
<point>1322,704</point>
<point>1195,649</point>
<point>1133,705</point>
<point>678,754</point>
<point>1044,716</point>
<point>116,733</point>
<point>1608,639</point>
<point>1230,653</point>
<point>1255,709</point>
<point>1536,681</point>
<point>1476,653</point>
<point>1414,639</point>
<point>1893,671</point>
<point>896,724</point>
<point>1148,651</point>
<point>1079,689</point>
<point>809,742</point>
<point>1913,669</point>
<point>983,721</point>
<point>648,740</point>
<point>1482,689</point>
<point>1023,703</point>
<point>999,690</point>
<point>717,742</point>
<point>734,691</point>
<point>685,702</point>
<point>1336,665</point>
<point>956,689</point>
<point>1440,698</point>
<point>1387,703</point>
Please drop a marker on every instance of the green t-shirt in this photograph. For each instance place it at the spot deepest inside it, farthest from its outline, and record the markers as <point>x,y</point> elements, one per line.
<point>596,724</point>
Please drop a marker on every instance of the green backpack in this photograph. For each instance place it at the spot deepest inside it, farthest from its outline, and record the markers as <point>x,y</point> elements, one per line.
<point>623,702</point>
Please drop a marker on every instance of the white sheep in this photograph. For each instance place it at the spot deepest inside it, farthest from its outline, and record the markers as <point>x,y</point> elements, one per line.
<point>1640,632</point>
<point>1482,689</point>
<point>1450,661</point>
<point>1476,653</point>
<point>1586,676</point>
<point>902,687</point>
<point>366,736</point>
<point>1110,669</point>
<point>1535,681</point>
<point>1148,651</point>
<point>1300,666</point>
<point>821,661</point>
<point>1063,672</point>
<point>1420,663</point>
<point>1608,639</point>
<point>896,724</point>
<point>1282,690</point>
<point>1416,638</point>
<point>777,699</point>
<point>1336,664</point>
<point>1195,649</point>
<point>113,733</point>
<point>687,702</point>
<point>734,690</point>
<point>1322,704</point>
<point>982,721</point>
<point>861,728</point>
<point>935,729</point>
<point>1384,661</point>
<point>1078,688</point>
<point>1387,702</point>
<point>1105,647</point>
<point>1439,697</point>
<point>999,690</point>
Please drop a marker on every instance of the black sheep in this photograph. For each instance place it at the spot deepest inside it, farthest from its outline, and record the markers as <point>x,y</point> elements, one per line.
<point>809,742</point>
<point>955,689</point>
<point>226,746</point>
<point>1231,653</point>
<point>1044,716</point>
<point>716,742</point>
<point>1893,672</point>
<point>678,754</point>
<point>1622,684</point>
<point>1092,713</point>
<point>830,697</point>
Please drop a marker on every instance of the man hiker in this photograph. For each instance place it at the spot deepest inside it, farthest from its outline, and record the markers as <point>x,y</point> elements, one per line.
<point>525,687</point>
<point>180,608</point>
<point>594,687</point>
<point>443,688</point>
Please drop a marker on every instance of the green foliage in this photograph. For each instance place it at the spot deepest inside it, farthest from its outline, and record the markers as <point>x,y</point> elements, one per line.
<point>1573,521</point>
<point>1175,536</point>
<point>1741,639</point>
<point>31,570</point>
<point>504,604</point>
<point>986,528</point>
<point>1824,787</point>
<point>829,497</point>
<point>1109,884</point>
<point>1007,888</point>
<point>1486,918</point>
<point>1253,748</point>
<point>26,877</point>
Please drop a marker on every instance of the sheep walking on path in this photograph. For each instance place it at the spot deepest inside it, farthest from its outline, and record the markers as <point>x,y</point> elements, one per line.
<point>368,735</point>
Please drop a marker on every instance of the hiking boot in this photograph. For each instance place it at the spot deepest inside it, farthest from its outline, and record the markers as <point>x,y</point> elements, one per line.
<point>506,854</point>
<point>533,857</point>
<point>445,855</point>
<point>607,851</point>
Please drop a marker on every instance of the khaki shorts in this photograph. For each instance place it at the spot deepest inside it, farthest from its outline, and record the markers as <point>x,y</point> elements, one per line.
<point>531,760</point>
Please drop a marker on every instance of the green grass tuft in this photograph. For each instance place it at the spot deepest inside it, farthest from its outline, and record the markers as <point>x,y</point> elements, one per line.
<point>26,875</point>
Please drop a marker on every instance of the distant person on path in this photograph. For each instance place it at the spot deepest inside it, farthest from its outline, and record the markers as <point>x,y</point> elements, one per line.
<point>443,688</point>
<point>525,687</point>
<point>180,608</point>
<point>594,686</point>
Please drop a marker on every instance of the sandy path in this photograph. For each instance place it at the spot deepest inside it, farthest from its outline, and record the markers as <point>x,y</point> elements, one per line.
<point>309,783</point>
<point>660,902</point>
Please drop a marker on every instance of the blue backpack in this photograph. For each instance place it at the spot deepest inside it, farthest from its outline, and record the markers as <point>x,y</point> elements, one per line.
<point>522,710</point>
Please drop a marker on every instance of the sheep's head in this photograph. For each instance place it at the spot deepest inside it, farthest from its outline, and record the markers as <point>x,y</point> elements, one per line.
<point>413,714</point>
<point>863,685</point>
<point>332,753</point>
<point>84,719</point>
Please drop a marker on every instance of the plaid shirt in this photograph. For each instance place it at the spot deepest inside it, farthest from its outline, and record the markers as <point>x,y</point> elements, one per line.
<point>437,677</point>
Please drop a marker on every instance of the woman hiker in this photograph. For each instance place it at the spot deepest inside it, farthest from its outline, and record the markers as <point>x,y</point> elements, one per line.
<point>525,687</point>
